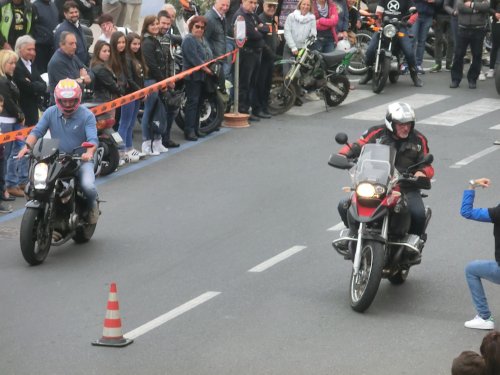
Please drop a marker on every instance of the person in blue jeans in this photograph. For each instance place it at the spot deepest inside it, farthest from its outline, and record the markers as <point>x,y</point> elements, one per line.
<point>481,269</point>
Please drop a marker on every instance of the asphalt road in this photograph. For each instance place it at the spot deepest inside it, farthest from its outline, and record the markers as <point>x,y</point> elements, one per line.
<point>180,234</point>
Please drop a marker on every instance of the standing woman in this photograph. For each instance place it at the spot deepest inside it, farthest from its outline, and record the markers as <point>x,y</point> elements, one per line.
<point>481,269</point>
<point>194,53</point>
<point>156,71</point>
<point>327,18</point>
<point>135,66</point>
<point>11,118</point>
<point>299,26</point>
<point>106,86</point>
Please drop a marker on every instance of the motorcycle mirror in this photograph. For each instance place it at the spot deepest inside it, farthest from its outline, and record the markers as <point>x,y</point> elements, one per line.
<point>87,145</point>
<point>428,159</point>
<point>341,138</point>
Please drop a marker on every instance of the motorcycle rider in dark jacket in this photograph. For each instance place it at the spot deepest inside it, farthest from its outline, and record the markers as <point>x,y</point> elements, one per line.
<point>411,147</point>
<point>393,9</point>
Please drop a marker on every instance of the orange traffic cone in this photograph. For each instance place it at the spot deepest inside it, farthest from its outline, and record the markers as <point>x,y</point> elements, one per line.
<point>112,331</point>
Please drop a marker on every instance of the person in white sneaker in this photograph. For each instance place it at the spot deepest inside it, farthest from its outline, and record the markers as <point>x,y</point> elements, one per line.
<point>481,269</point>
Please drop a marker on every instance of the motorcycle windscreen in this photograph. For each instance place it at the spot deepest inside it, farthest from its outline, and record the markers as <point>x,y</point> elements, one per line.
<point>375,164</point>
<point>45,147</point>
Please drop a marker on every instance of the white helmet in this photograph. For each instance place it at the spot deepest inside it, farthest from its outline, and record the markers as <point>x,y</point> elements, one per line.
<point>399,113</point>
<point>343,45</point>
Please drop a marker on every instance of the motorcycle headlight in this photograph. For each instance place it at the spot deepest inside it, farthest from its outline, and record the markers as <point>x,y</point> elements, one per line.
<point>40,175</point>
<point>389,31</point>
<point>367,190</point>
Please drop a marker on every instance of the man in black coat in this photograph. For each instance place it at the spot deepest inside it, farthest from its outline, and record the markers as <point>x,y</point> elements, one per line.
<point>43,32</point>
<point>31,86</point>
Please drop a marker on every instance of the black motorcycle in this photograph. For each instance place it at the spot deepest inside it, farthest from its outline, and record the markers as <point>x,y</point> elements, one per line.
<point>387,57</point>
<point>312,70</point>
<point>55,211</point>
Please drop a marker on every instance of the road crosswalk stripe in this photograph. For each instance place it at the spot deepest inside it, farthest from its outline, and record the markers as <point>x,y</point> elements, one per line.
<point>415,100</point>
<point>463,113</point>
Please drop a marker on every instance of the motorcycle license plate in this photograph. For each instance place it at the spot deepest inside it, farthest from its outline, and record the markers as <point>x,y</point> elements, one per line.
<point>117,137</point>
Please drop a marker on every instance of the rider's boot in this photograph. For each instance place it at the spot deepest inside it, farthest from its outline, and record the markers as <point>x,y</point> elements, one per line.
<point>367,77</point>
<point>414,77</point>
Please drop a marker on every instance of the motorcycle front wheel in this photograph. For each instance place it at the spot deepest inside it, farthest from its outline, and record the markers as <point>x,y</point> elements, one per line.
<point>337,96</point>
<point>364,285</point>
<point>211,113</point>
<point>380,77</point>
<point>281,98</point>
<point>357,64</point>
<point>36,236</point>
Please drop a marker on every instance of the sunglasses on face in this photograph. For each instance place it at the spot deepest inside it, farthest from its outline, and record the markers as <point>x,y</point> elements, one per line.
<point>201,27</point>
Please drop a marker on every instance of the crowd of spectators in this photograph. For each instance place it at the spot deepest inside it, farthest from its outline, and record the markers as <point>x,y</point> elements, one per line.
<point>49,36</point>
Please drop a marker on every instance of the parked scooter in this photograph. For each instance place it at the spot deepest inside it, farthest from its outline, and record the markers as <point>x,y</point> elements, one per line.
<point>55,211</point>
<point>379,215</point>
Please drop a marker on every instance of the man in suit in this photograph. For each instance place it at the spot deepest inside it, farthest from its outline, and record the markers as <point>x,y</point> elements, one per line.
<point>26,76</point>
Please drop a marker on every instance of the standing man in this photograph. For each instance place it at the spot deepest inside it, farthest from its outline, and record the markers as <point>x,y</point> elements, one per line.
<point>266,70</point>
<point>43,32</point>
<point>71,24</point>
<point>65,64</point>
<point>132,12</point>
<point>250,55</point>
<point>442,30</point>
<point>420,29</point>
<point>472,22</point>
<point>16,20</point>
<point>26,76</point>
<point>216,33</point>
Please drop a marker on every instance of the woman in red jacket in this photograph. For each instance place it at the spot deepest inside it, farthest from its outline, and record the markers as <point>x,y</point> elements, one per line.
<point>327,18</point>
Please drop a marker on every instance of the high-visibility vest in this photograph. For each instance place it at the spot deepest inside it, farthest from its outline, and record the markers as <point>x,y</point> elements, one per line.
<point>6,20</point>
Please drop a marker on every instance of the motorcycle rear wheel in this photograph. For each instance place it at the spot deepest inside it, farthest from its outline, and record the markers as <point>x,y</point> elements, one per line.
<point>393,77</point>
<point>84,233</point>
<point>380,78</point>
<point>364,285</point>
<point>281,98</point>
<point>110,157</point>
<point>211,113</point>
<point>35,238</point>
<point>357,64</point>
<point>341,82</point>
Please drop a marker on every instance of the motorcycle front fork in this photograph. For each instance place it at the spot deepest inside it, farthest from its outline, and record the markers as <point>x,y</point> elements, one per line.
<point>359,243</point>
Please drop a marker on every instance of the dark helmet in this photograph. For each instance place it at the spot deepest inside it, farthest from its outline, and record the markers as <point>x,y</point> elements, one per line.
<point>399,113</point>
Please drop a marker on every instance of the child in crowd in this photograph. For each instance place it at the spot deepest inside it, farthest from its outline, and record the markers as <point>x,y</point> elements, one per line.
<point>468,363</point>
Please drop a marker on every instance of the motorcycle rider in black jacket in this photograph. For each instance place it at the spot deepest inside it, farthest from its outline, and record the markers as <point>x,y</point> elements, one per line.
<point>393,9</point>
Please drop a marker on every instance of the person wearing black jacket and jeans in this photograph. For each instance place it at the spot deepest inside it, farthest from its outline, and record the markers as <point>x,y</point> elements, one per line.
<point>481,269</point>
<point>250,55</point>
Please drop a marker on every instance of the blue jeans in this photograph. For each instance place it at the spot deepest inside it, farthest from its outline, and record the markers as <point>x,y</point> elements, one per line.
<point>16,171</point>
<point>325,44</point>
<point>127,122</point>
<point>474,272</point>
<point>404,43</point>
<point>420,30</point>
<point>192,108</point>
<point>86,179</point>
<point>149,106</point>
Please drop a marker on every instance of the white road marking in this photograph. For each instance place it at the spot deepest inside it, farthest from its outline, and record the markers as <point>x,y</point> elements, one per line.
<point>318,106</point>
<point>337,227</point>
<point>162,319</point>
<point>415,100</point>
<point>276,259</point>
<point>470,159</point>
<point>463,113</point>
<point>496,127</point>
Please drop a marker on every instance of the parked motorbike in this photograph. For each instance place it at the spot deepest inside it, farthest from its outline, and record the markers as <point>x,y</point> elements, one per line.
<point>379,216</point>
<point>107,152</point>
<point>364,35</point>
<point>312,70</point>
<point>55,210</point>
<point>387,57</point>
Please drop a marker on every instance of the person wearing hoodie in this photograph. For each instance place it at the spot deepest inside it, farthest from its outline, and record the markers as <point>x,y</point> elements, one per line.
<point>327,18</point>
<point>299,26</point>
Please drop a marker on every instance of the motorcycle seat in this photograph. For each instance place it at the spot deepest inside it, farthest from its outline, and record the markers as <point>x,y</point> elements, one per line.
<point>334,57</point>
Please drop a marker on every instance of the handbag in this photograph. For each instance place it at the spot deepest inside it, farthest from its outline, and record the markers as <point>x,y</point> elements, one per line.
<point>173,98</point>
